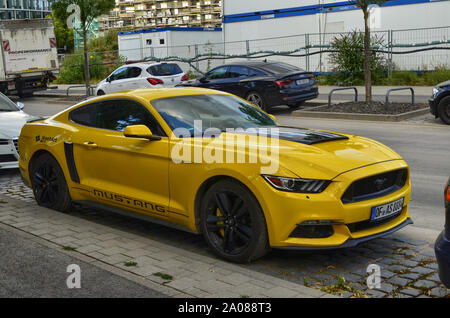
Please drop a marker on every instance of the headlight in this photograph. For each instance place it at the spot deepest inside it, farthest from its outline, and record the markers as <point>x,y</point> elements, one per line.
<point>435,91</point>
<point>297,185</point>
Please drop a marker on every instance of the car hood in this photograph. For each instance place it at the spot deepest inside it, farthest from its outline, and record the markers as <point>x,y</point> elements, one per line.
<point>314,154</point>
<point>11,123</point>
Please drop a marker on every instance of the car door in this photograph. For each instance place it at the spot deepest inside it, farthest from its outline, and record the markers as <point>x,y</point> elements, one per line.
<point>237,75</point>
<point>126,172</point>
<point>216,79</point>
<point>117,80</point>
<point>133,79</point>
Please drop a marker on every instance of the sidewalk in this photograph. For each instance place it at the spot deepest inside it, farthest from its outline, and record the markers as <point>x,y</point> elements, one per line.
<point>178,272</point>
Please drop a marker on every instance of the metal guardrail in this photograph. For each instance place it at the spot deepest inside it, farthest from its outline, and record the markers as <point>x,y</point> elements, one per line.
<point>342,89</point>
<point>399,89</point>
<point>91,89</point>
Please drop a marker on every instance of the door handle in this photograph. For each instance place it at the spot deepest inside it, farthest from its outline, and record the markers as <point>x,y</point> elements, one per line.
<point>90,144</point>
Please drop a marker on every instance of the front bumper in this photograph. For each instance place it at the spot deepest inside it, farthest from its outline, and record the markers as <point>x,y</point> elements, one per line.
<point>285,211</point>
<point>433,106</point>
<point>351,242</point>
<point>442,250</point>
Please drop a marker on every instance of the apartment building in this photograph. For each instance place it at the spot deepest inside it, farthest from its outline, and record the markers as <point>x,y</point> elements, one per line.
<point>24,9</point>
<point>134,14</point>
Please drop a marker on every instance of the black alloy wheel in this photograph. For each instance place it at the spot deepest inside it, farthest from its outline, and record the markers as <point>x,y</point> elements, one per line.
<point>49,185</point>
<point>233,223</point>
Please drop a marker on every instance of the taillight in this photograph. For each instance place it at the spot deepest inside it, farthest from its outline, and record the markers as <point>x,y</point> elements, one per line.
<point>154,81</point>
<point>185,78</point>
<point>284,83</point>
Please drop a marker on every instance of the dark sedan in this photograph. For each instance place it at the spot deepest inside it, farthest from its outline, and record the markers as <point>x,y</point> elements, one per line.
<point>440,102</point>
<point>442,246</point>
<point>263,83</point>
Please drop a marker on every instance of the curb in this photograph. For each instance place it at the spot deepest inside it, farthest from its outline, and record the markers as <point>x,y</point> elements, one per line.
<point>356,116</point>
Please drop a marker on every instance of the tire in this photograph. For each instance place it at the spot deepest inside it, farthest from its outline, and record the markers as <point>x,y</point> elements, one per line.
<point>256,99</point>
<point>444,110</point>
<point>100,93</point>
<point>25,95</point>
<point>49,184</point>
<point>237,230</point>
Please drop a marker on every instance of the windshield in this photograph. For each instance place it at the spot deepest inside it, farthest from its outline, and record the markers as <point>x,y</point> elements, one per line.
<point>6,105</point>
<point>164,70</point>
<point>221,112</point>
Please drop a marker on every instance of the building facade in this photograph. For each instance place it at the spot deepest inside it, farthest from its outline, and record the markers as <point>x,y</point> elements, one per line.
<point>163,13</point>
<point>24,9</point>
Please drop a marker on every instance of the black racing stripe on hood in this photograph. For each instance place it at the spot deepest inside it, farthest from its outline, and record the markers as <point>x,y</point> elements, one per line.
<point>300,135</point>
<point>308,136</point>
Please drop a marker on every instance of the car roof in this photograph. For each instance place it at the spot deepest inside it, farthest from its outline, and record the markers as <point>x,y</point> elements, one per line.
<point>145,65</point>
<point>158,93</point>
<point>252,63</point>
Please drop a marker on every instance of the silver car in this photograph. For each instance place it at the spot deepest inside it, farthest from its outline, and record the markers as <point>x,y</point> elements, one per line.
<point>12,119</point>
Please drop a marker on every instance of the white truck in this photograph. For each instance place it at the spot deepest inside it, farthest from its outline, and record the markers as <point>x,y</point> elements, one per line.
<point>29,56</point>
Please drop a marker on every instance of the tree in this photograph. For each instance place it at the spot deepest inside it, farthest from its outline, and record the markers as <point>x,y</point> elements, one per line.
<point>365,6</point>
<point>86,11</point>
<point>64,35</point>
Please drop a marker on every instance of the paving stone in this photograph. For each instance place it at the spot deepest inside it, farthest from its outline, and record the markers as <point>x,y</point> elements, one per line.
<point>425,284</point>
<point>387,288</point>
<point>399,281</point>
<point>412,276</point>
<point>409,263</point>
<point>422,270</point>
<point>440,292</point>
<point>375,293</point>
<point>279,292</point>
<point>435,278</point>
<point>411,291</point>
<point>387,274</point>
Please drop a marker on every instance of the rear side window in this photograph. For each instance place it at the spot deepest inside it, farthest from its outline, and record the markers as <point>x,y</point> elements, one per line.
<point>164,70</point>
<point>279,68</point>
<point>237,71</point>
<point>84,115</point>
<point>115,115</point>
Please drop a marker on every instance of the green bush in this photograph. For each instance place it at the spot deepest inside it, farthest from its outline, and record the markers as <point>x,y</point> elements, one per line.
<point>72,70</point>
<point>348,60</point>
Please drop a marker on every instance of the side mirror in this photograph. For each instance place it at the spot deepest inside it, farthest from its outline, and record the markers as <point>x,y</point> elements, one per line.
<point>203,80</point>
<point>20,105</point>
<point>108,79</point>
<point>140,132</point>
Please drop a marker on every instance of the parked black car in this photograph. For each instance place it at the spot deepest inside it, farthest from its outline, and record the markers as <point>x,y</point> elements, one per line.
<point>263,83</point>
<point>440,102</point>
<point>442,245</point>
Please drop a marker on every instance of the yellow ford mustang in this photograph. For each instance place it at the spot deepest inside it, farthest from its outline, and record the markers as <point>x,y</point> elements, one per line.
<point>211,163</point>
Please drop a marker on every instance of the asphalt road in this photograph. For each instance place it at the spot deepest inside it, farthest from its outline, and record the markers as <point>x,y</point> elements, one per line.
<point>424,143</point>
<point>29,269</point>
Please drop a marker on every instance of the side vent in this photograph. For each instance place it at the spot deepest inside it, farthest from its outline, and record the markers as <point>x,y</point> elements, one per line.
<point>68,150</point>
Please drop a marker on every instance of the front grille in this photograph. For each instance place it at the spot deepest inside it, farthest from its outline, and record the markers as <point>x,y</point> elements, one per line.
<point>4,142</point>
<point>368,224</point>
<point>7,158</point>
<point>375,186</point>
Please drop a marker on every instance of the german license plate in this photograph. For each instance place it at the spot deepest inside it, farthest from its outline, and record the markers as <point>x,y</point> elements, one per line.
<point>387,210</point>
<point>302,81</point>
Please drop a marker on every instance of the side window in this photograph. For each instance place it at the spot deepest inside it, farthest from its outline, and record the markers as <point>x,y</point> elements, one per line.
<point>237,71</point>
<point>121,73</point>
<point>218,73</point>
<point>254,72</point>
<point>118,114</point>
<point>85,115</point>
<point>134,72</point>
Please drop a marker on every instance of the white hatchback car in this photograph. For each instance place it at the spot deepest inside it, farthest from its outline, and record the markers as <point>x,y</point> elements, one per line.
<point>12,119</point>
<point>142,75</point>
